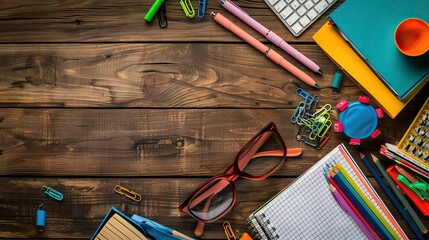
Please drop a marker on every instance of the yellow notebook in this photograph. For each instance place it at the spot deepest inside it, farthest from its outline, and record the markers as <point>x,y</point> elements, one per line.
<point>346,58</point>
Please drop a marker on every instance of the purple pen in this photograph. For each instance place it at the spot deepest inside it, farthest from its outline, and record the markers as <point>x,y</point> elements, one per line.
<point>271,36</point>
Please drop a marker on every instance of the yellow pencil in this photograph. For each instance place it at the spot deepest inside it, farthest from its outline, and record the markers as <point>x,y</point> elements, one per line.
<point>367,201</point>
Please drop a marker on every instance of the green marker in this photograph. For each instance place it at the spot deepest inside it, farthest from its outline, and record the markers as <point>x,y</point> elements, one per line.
<point>153,9</point>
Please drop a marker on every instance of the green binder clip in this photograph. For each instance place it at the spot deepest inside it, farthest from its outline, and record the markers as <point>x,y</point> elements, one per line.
<point>419,187</point>
<point>187,8</point>
<point>52,193</point>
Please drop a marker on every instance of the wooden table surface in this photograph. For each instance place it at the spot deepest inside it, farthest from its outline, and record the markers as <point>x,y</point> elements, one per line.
<point>92,96</point>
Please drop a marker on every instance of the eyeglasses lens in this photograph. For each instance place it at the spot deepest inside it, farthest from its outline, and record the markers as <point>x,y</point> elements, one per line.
<point>213,200</point>
<point>262,155</point>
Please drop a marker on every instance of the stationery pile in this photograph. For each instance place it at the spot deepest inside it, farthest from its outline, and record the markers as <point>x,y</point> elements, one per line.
<point>311,201</point>
<point>117,225</point>
<point>412,151</point>
<point>360,39</point>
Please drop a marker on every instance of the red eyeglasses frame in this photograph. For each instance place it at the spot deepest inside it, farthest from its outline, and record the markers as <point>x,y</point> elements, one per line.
<point>233,172</point>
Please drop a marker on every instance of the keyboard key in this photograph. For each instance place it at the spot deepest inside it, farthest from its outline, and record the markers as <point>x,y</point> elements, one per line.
<point>301,11</point>
<point>298,15</point>
<point>321,6</point>
<point>280,5</point>
<point>304,21</point>
<point>308,4</point>
<point>296,28</point>
<point>294,5</point>
<point>286,12</point>
<point>292,19</point>
<point>312,14</point>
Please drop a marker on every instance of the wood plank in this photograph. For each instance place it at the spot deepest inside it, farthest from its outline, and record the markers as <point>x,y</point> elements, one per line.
<point>122,21</point>
<point>155,76</point>
<point>87,201</point>
<point>149,142</point>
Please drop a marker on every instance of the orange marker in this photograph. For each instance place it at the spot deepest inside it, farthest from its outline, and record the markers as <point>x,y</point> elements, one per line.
<point>271,54</point>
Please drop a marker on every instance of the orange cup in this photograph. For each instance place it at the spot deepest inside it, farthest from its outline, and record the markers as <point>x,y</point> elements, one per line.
<point>412,37</point>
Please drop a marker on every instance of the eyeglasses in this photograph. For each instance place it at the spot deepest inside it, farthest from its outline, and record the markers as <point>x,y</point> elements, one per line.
<point>257,159</point>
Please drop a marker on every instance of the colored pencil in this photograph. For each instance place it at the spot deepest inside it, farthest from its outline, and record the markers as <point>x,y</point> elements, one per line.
<point>361,206</point>
<point>399,195</point>
<point>370,204</point>
<point>392,197</point>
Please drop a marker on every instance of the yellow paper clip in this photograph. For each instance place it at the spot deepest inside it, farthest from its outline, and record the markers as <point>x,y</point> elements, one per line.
<point>227,228</point>
<point>128,193</point>
<point>187,8</point>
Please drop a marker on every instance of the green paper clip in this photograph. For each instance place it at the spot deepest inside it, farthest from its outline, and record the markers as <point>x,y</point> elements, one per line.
<point>187,8</point>
<point>52,193</point>
<point>420,187</point>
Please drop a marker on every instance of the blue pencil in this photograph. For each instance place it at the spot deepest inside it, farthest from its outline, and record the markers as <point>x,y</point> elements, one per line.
<point>392,198</point>
<point>361,206</point>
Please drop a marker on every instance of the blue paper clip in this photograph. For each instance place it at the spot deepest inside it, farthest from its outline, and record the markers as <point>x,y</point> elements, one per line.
<point>52,193</point>
<point>201,8</point>
<point>304,94</point>
<point>187,8</point>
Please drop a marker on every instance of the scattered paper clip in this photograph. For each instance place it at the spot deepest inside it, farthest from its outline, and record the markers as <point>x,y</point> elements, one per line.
<point>202,8</point>
<point>162,16</point>
<point>187,8</point>
<point>128,193</point>
<point>227,228</point>
<point>53,193</point>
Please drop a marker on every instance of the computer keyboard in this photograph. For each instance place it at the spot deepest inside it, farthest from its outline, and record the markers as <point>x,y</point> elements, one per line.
<point>298,15</point>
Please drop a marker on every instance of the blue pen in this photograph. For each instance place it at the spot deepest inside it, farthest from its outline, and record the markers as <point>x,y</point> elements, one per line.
<point>392,198</point>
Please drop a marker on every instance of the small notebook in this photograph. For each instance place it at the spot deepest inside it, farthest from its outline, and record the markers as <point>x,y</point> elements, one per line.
<point>369,27</point>
<point>306,208</point>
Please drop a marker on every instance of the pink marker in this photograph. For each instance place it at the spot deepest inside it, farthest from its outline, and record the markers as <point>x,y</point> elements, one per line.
<point>271,54</point>
<point>271,36</point>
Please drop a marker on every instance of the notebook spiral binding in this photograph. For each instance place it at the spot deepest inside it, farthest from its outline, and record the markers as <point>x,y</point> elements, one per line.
<point>261,229</point>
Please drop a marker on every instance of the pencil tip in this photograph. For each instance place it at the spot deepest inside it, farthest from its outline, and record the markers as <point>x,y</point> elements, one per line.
<point>315,85</point>
<point>374,158</point>
<point>320,71</point>
<point>361,155</point>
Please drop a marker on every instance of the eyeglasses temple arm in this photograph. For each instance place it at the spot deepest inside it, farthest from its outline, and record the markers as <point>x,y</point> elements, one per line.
<point>199,228</point>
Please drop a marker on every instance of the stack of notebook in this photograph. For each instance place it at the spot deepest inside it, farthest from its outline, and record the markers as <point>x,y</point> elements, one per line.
<point>359,39</point>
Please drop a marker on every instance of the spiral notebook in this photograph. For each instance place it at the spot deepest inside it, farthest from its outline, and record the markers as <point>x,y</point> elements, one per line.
<point>306,208</point>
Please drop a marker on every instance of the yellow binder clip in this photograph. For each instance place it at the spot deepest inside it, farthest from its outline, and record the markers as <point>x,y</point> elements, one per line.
<point>187,8</point>
<point>128,193</point>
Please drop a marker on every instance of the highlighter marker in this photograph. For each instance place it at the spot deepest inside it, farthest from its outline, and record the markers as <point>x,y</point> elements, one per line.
<point>152,10</point>
<point>268,52</point>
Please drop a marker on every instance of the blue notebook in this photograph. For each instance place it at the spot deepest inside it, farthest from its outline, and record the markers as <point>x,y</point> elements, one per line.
<point>369,26</point>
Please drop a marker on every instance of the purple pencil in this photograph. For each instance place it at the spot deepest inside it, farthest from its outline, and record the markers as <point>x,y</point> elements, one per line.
<point>346,207</point>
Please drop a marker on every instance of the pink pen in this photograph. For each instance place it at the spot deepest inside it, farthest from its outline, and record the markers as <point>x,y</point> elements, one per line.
<point>271,36</point>
<point>271,54</point>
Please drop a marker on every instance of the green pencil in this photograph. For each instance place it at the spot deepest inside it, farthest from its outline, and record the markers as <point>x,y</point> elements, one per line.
<point>401,197</point>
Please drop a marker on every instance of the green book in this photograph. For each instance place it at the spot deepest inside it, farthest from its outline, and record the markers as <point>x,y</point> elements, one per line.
<point>369,27</point>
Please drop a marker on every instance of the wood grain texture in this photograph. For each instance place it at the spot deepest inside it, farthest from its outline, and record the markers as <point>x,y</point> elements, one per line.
<point>122,21</point>
<point>92,96</point>
<point>155,76</point>
<point>148,142</point>
<point>87,200</point>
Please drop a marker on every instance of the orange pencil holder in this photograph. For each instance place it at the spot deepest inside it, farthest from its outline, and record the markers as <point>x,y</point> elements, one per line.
<point>412,37</point>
